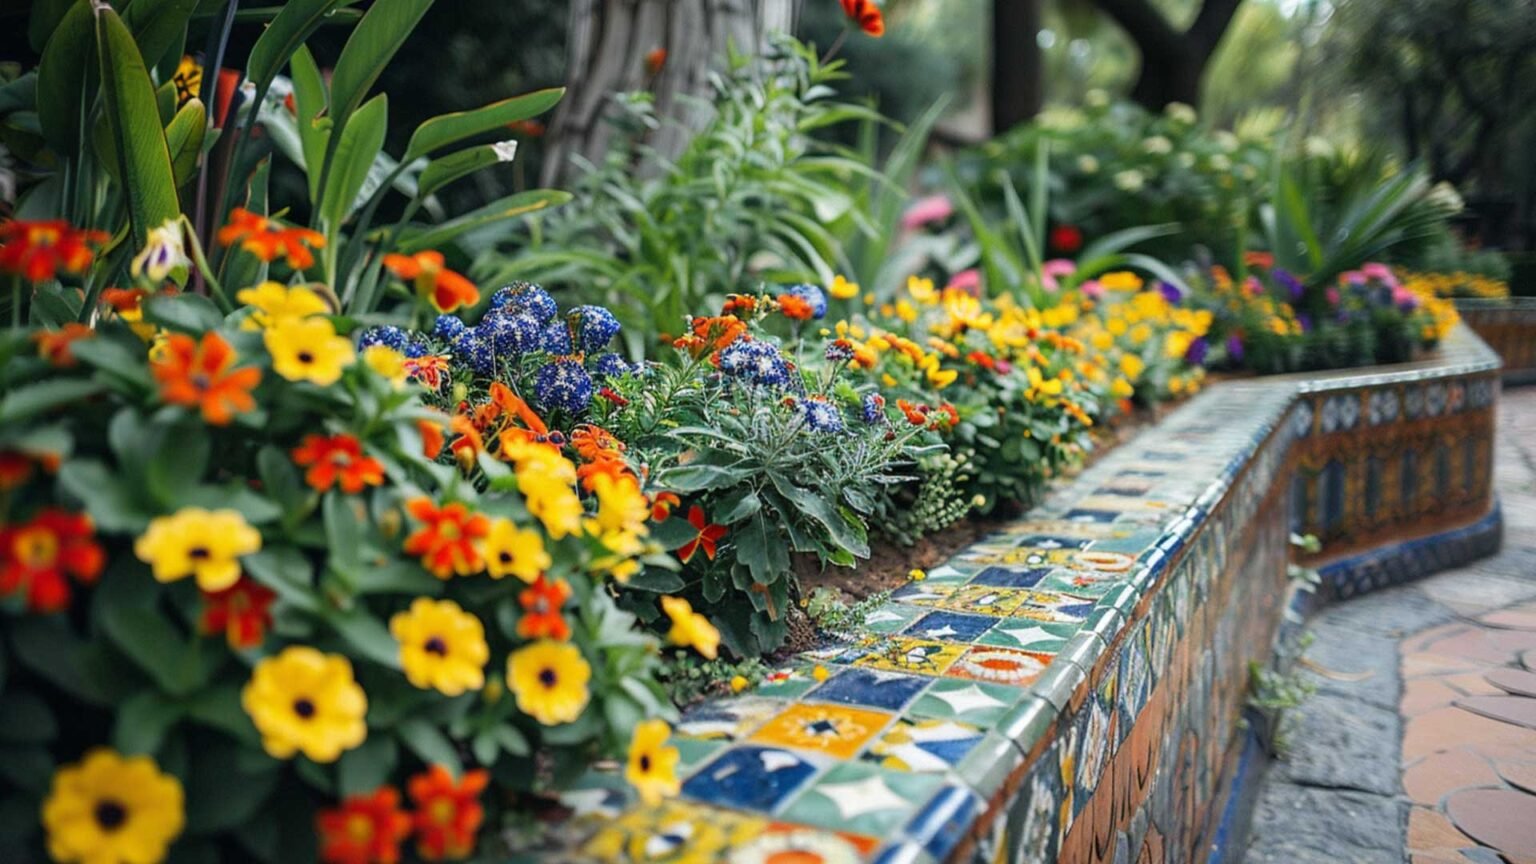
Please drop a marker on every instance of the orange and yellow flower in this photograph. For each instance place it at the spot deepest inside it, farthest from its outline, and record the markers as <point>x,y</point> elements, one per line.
<point>652,766</point>
<point>689,628</point>
<point>38,250</point>
<point>445,289</point>
<point>201,375</point>
<point>866,16</point>
<point>268,240</point>
<point>37,555</point>
<point>707,538</point>
<point>446,541</point>
<point>337,459</point>
<point>447,814</point>
<point>54,345</point>
<point>242,612</point>
<point>365,829</point>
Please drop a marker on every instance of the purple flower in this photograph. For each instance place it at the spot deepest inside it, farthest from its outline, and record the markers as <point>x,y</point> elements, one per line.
<point>1235,348</point>
<point>822,416</point>
<point>1290,283</point>
<point>1170,292</point>
<point>1305,321</point>
<point>873,409</point>
<point>1195,354</point>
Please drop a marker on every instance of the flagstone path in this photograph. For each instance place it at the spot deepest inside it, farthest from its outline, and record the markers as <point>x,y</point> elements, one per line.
<point>1420,744</point>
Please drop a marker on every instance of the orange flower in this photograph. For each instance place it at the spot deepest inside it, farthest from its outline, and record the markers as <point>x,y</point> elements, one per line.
<point>866,15</point>
<point>662,504</point>
<point>365,829</point>
<point>199,374</point>
<point>593,443</point>
<point>337,458</point>
<point>467,444</point>
<point>242,612</point>
<point>446,540</point>
<point>123,299</point>
<point>541,603</point>
<point>36,251</point>
<point>739,302</point>
<point>268,240</point>
<point>796,307</point>
<point>533,429</point>
<point>428,369</point>
<point>708,535</point>
<point>655,60</point>
<point>446,289</point>
<point>431,437</point>
<point>917,415</point>
<point>35,557</point>
<point>53,345</point>
<point>1258,259</point>
<point>530,128</point>
<point>447,814</point>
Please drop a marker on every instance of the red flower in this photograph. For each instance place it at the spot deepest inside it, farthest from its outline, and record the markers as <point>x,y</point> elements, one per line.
<point>268,240</point>
<point>866,15</point>
<point>445,289</point>
<point>365,829</point>
<point>337,458</point>
<point>54,345</point>
<point>662,504</point>
<point>655,59</point>
<point>37,251</point>
<point>917,415</point>
<point>1258,259</point>
<point>541,603</point>
<point>530,128</point>
<point>242,612</point>
<point>708,535</point>
<point>447,814</point>
<point>796,307</point>
<point>446,540</point>
<point>15,469</point>
<point>199,375</point>
<point>36,555</point>
<point>1066,238</point>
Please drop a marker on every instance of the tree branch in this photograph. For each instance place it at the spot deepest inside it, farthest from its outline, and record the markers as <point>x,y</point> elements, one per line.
<point>1142,22</point>
<point>1211,22</point>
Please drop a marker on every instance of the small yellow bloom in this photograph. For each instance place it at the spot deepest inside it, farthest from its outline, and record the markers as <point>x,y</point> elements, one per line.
<point>820,673</point>
<point>906,311</point>
<point>512,551</point>
<point>442,647</point>
<point>304,701</point>
<point>689,628</point>
<point>1131,366</point>
<point>107,809</point>
<point>200,543</point>
<point>308,349</point>
<point>1122,280</point>
<point>739,683</point>
<point>1121,389</point>
<point>652,767</point>
<point>387,363</point>
<point>842,289</point>
<point>273,303</point>
<point>922,290</point>
<point>917,575</point>
<point>621,506</point>
<point>549,680</point>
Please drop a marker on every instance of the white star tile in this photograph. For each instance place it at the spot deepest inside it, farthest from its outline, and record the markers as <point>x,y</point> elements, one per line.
<point>778,760</point>
<point>858,797</point>
<point>1027,635</point>
<point>968,698</point>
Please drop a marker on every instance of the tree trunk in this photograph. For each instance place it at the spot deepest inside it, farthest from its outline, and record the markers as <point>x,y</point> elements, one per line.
<point>611,49</point>
<point>1169,78</point>
<point>1018,88</point>
<point>1172,61</point>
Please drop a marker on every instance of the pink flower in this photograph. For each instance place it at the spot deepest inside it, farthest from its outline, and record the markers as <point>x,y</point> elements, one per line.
<point>1092,289</point>
<point>966,280</point>
<point>1380,272</point>
<point>1053,270</point>
<point>1253,286</point>
<point>1333,296</point>
<point>934,208</point>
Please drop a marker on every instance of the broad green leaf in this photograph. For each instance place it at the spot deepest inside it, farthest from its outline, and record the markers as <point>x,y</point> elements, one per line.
<point>441,172</point>
<point>656,581</point>
<point>367,766</point>
<point>374,41</point>
<point>32,399</point>
<point>46,15</point>
<point>25,718</point>
<point>64,79</point>
<point>144,160</point>
<point>157,26</point>
<point>429,743</point>
<point>285,36</point>
<point>310,100</point>
<point>187,313</point>
<point>184,140</point>
<point>447,129</point>
<point>510,207</point>
<point>700,478</point>
<point>143,722</point>
<point>111,504</point>
<point>361,141</point>
<point>364,632</point>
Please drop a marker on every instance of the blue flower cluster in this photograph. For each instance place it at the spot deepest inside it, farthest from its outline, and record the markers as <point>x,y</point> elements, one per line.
<point>873,409</point>
<point>563,385</point>
<point>594,326</point>
<point>813,295</point>
<point>822,416</point>
<point>392,337</point>
<point>755,362</point>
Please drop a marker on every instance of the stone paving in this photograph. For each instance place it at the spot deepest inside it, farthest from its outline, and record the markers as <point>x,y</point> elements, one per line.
<point>1420,743</point>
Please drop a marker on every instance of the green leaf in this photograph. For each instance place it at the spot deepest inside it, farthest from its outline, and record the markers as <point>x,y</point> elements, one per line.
<point>31,400</point>
<point>184,140</point>
<point>510,207</point>
<point>143,722</point>
<point>225,788</point>
<point>343,533</point>
<point>47,646</point>
<point>236,496</point>
<point>158,25</point>
<point>429,744</point>
<point>187,313</point>
<point>367,766</point>
<point>360,143</point>
<point>281,481</point>
<point>285,570</point>
<point>219,708</point>
<point>111,504</point>
<point>367,634</point>
<point>310,100</point>
<point>63,79</point>
<point>46,15</point>
<point>52,306</point>
<point>441,172</point>
<point>285,36</point>
<point>374,41</point>
<point>25,719</point>
<point>700,478</point>
<point>398,577</point>
<point>759,547</point>
<point>144,161</point>
<point>824,512</point>
<point>655,580</point>
<point>147,637</point>
<point>447,129</point>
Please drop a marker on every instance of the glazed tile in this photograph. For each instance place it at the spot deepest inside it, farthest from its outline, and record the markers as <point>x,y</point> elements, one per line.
<point>787,683</point>
<point>838,731</point>
<point>870,687</point>
<point>923,745</point>
<point>751,777</point>
<point>905,654</point>
<point>943,821</point>
<point>976,702</point>
<point>728,719</point>
<point>892,617</point>
<point>1038,636</point>
<point>1000,665</point>
<point>1010,577</point>
<point>951,626</point>
<point>857,796</point>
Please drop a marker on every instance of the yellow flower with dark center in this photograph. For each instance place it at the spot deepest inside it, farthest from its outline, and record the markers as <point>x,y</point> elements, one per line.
<point>273,303</point>
<point>652,767</point>
<point>549,680</point>
<point>308,349</point>
<point>511,551</point>
<point>305,701</point>
<point>188,78</point>
<point>442,647</point>
<point>387,363</point>
<point>107,809</point>
<point>689,628</point>
<point>205,544</point>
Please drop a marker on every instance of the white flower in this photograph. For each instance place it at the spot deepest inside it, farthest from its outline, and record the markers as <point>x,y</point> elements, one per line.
<point>505,151</point>
<point>1226,140</point>
<point>1186,159</point>
<point>1220,162</point>
<point>1130,180</point>
<point>1087,164</point>
<point>1157,145</point>
<point>1318,147</point>
<point>1181,113</point>
<point>1096,98</point>
<point>1444,195</point>
<point>163,253</point>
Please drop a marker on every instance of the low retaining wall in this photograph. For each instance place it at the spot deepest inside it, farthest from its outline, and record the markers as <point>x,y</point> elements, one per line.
<point>1509,328</point>
<point>1070,687</point>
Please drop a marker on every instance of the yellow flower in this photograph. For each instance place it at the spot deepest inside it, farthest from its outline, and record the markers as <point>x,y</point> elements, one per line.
<point>1122,280</point>
<point>1131,366</point>
<point>906,311</point>
<point>273,303</point>
<point>1121,389</point>
<point>621,506</point>
<point>512,551</point>
<point>442,647</point>
<point>304,701</point>
<point>1177,343</point>
<point>652,768</point>
<point>197,542</point>
<point>939,378</point>
<point>549,680</point>
<point>308,349</point>
<point>842,289</point>
<point>162,255</point>
<point>387,363</point>
<point>689,628</point>
<point>546,480</point>
<point>1116,326</point>
<point>1102,340</point>
<point>106,809</point>
<point>916,574</point>
<point>739,683</point>
<point>922,290</point>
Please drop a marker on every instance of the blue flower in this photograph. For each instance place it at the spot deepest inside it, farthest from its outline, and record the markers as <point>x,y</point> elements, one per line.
<point>609,366</point>
<point>822,416</point>
<point>557,337</point>
<point>448,327</point>
<point>564,385</point>
<point>389,336</point>
<point>813,295</point>
<point>1170,292</point>
<point>755,362</point>
<point>415,348</point>
<point>839,351</point>
<point>525,297</point>
<point>595,327</point>
<point>476,353</point>
<point>512,334</point>
<point>873,409</point>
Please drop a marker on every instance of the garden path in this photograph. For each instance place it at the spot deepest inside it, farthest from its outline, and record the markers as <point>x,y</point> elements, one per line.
<point>1420,743</point>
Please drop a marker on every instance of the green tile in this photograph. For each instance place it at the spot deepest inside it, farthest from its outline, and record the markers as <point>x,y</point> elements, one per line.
<point>863,798</point>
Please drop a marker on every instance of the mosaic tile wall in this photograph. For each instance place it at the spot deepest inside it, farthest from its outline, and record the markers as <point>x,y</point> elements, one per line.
<point>1509,328</point>
<point>1066,689</point>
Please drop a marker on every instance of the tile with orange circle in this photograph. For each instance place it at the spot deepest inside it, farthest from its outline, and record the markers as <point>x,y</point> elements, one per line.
<point>837,730</point>
<point>1000,665</point>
